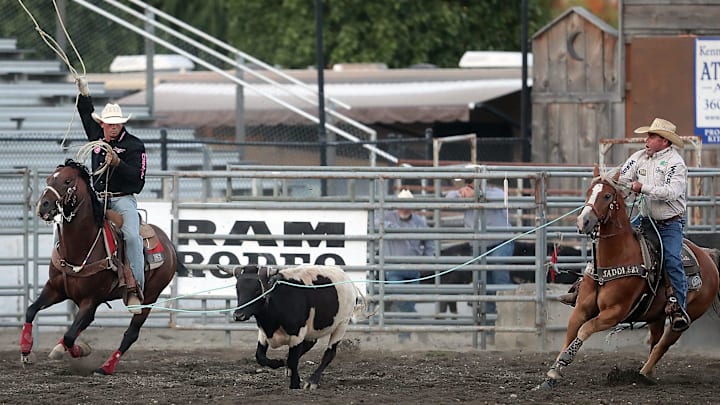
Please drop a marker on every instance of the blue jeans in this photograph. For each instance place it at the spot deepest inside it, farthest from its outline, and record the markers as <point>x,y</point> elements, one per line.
<point>403,306</point>
<point>671,235</point>
<point>672,238</point>
<point>127,207</point>
<point>499,276</point>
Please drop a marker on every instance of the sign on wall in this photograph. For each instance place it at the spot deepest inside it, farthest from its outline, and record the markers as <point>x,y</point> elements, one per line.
<point>214,243</point>
<point>707,89</point>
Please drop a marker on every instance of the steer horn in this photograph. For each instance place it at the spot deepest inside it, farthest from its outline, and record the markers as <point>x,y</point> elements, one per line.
<point>226,270</point>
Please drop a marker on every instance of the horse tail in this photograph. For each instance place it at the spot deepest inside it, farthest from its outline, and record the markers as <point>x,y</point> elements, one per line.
<point>715,256</point>
<point>181,270</point>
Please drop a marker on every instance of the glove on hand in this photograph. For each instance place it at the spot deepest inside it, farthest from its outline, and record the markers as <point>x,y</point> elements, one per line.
<point>82,86</point>
<point>112,159</point>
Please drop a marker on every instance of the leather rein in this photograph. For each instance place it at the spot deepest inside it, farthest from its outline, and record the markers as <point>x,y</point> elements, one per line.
<point>71,202</point>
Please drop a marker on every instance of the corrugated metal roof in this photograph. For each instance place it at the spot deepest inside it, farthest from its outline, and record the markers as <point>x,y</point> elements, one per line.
<point>203,103</point>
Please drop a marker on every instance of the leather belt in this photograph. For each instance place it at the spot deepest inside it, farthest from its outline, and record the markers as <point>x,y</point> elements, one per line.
<point>669,220</point>
<point>103,194</point>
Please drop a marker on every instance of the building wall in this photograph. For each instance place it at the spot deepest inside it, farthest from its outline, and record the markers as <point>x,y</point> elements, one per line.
<point>575,91</point>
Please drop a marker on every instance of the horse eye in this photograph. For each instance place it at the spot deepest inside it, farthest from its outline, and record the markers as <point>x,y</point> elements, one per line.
<point>608,196</point>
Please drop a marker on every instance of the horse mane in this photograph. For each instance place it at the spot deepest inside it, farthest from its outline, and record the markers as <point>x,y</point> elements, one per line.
<point>97,207</point>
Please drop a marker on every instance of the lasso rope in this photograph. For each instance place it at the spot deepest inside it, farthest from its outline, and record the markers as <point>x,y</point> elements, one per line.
<point>55,47</point>
<point>82,155</point>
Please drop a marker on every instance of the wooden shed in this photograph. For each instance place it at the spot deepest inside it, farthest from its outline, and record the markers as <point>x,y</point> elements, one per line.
<point>576,98</point>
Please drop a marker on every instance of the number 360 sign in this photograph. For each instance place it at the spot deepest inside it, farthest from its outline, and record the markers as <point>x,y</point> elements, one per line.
<point>707,89</point>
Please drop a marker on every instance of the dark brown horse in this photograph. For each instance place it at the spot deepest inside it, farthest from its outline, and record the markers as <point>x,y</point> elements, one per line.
<point>81,266</point>
<point>602,305</point>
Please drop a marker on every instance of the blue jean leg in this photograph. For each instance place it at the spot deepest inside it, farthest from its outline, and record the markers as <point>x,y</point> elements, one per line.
<point>127,207</point>
<point>499,276</point>
<point>672,237</point>
<point>403,306</point>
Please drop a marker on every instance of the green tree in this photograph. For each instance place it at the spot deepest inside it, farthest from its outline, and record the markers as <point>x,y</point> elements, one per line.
<point>398,33</point>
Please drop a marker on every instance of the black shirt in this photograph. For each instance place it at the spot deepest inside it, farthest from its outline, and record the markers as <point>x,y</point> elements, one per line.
<point>129,175</point>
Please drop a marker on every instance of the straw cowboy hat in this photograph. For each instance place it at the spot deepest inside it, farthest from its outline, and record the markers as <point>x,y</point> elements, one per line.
<point>111,114</point>
<point>664,128</point>
<point>405,193</point>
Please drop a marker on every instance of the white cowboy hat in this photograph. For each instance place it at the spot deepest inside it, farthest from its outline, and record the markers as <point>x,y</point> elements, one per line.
<point>664,128</point>
<point>405,193</point>
<point>111,114</point>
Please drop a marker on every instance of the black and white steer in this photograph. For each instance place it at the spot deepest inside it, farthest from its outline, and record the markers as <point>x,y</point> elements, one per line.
<point>296,316</point>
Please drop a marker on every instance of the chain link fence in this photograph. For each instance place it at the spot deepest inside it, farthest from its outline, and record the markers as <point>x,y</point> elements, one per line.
<point>99,40</point>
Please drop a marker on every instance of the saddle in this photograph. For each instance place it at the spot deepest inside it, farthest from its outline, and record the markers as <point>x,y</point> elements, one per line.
<point>651,250</point>
<point>153,250</point>
<point>650,269</point>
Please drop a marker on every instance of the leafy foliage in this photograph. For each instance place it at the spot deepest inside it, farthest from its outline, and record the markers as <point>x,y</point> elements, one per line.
<point>398,33</point>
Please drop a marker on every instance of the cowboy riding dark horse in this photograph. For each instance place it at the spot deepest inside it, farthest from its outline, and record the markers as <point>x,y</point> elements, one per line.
<point>88,264</point>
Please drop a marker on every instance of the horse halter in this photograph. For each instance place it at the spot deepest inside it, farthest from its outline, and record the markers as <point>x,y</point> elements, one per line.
<point>68,201</point>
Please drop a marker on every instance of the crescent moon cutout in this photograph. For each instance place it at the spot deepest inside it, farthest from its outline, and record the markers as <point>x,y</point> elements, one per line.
<point>571,45</point>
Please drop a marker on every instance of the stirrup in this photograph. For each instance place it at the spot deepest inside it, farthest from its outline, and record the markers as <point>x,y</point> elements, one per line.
<point>680,320</point>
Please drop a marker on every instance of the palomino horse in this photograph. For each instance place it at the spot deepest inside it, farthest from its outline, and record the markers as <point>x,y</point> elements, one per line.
<point>81,266</point>
<point>602,305</point>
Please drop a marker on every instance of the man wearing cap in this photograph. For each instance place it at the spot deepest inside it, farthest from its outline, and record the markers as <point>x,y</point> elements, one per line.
<point>125,177</point>
<point>405,218</point>
<point>659,173</point>
<point>493,217</point>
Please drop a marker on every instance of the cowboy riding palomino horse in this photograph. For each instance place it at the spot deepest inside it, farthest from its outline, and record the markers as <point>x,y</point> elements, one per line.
<point>88,264</point>
<point>621,287</point>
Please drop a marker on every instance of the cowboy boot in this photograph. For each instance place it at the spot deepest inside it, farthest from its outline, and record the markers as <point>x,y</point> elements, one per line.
<point>679,319</point>
<point>571,297</point>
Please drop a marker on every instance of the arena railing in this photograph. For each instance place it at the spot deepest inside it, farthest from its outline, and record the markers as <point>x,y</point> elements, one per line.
<point>372,190</point>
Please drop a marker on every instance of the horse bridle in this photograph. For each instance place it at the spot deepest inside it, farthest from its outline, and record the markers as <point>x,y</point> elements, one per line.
<point>69,200</point>
<point>613,206</point>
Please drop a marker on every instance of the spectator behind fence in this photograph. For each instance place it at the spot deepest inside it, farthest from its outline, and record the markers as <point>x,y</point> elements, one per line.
<point>494,217</point>
<point>405,218</point>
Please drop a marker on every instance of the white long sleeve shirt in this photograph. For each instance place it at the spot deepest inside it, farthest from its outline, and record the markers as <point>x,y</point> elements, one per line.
<point>664,181</point>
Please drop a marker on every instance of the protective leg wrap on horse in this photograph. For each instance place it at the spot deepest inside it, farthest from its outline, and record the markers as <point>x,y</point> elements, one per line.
<point>26,339</point>
<point>109,367</point>
<point>565,358</point>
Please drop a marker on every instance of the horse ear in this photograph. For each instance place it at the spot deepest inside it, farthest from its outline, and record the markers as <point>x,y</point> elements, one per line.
<point>596,170</point>
<point>616,177</point>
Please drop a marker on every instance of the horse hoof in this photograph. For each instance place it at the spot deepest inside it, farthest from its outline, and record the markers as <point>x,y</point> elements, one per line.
<point>646,379</point>
<point>553,374</point>
<point>310,386</point>
<point>546,385</point>
<point>85,348</point>
<point>27,358</point>
<point>99,371</point>
<point>57,352</point>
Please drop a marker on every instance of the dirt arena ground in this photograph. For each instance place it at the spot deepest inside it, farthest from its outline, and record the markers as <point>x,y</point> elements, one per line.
<point>176,368</point>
